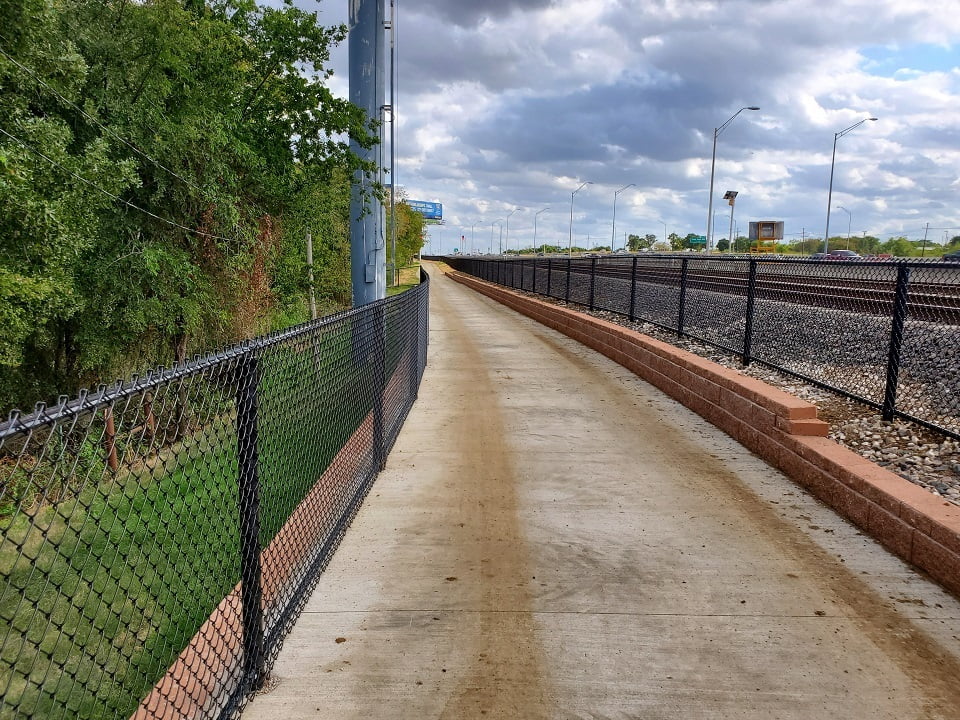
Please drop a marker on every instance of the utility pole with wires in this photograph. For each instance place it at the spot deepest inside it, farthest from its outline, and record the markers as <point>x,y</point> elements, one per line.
<point>367,243</point>
<point>391,26</point>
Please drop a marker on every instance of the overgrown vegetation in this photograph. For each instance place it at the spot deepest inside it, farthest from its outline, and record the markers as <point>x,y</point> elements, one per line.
<point>161,163</point>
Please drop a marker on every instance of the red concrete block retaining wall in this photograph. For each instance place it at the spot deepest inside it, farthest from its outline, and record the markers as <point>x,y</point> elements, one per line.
<point>917,526</point>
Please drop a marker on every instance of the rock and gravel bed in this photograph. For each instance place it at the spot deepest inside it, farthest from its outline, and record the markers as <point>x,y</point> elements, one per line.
<point>915,453</point>
<point>922,456</point>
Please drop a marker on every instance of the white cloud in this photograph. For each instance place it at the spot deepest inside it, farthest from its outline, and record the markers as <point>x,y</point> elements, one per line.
<point>510,103</point>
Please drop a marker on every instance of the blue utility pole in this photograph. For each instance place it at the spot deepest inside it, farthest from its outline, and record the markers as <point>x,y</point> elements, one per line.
<point>367,246</point>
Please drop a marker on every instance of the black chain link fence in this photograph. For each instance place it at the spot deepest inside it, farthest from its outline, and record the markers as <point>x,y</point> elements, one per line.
<point>884,333</point>
<point>160,537</point>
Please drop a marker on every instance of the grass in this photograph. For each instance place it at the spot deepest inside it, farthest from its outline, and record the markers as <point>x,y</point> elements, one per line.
<point>101,590</point>
<point>409,277</point>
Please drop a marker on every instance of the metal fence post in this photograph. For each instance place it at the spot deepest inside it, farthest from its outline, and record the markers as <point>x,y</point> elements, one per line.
<point>413,355</point>
<point>900,298</point>
<point>566,297</point>
<point>549,274</point>
<point>534,275</point>
<point>683,295</point>
<point>751,304</point>
<point>248,376</point>
<point>379,384</point>
<point>593,280</point>
<point>633,289</point>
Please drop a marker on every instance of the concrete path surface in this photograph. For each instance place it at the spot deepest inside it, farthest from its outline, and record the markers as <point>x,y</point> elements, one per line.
<point>554,538</point>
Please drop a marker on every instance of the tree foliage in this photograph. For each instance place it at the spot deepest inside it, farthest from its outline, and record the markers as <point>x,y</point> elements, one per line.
<point>160,165</point>
<point>410,233</point>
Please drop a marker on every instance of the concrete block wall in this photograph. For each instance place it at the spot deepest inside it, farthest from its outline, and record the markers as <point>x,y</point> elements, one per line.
<point>919,527</point>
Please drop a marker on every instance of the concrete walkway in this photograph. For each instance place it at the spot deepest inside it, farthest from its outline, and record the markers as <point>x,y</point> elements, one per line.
<point>553,538</point>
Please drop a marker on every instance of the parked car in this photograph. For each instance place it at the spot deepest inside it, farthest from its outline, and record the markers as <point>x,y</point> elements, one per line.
<point>842,255</point>
<point>818,256</point>
<point>952,256</point>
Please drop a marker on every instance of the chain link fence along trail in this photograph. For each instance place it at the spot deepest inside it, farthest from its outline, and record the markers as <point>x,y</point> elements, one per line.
<point>884,333</point>
<point>158,538</point>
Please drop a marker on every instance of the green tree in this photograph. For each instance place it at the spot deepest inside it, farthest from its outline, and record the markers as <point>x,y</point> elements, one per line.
<point>182,146</point>
<point>410,232</point>
<point>635,242</point>
<point>898,247</point>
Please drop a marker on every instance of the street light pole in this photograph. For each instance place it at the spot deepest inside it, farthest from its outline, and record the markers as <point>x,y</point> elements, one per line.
<point>508,228</point>
<point>713,166</point>
<point>473,237</point>
<point>570,240</point>
<point>731,197</point>
<point>849,222</point>
<point>535,216</point>
<point>833,160</point>
<point>664,230</point>
<point>495,222</point>
<point>613,233</point>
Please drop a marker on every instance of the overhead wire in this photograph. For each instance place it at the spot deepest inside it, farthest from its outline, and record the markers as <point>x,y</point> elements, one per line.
<point>98,123</point>
<point>209,195</point>
<point>111,195</point>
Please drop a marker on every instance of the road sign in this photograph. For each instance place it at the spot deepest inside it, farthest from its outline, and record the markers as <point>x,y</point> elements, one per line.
<point>698,240</point>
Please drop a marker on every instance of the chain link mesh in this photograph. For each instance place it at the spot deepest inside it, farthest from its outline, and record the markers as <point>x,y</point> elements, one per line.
<point>159,537</point>
<point>884,333</point>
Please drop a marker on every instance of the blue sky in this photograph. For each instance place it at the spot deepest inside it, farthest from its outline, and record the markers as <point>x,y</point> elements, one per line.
<point>512,104</point>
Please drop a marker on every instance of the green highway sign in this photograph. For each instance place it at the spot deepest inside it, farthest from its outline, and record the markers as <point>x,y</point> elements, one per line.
<point>698,240</point>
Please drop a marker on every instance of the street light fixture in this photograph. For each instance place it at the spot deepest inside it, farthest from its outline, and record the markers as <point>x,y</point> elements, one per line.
<point>535,216</point>
<point>507,239</point>
<point>570,240</point>
<point>713,166</point>
<point>613,233</point>
<point>833,160</point>
<point>849,222</point>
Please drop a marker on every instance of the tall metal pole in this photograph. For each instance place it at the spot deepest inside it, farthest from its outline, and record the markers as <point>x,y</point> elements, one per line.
<point>833,159</point>
<point>367,247</point>
<point>393,141</point>
<point>536,215</point>
<point>849,222</point>
<point>730,234</point>
<point>713,166</point>
<point>613,233</point>
<point>570,240</point>
<point>507,234</point>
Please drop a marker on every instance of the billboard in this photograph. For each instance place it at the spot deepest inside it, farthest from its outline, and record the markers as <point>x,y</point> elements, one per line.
<point>766,230</point>
<point>429,210</point>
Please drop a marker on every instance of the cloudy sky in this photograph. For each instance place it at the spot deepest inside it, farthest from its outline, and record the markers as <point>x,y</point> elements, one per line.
<point>514,103</point>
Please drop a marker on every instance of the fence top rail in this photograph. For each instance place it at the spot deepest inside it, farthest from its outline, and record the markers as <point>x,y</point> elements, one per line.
<point>103,396</point>
<point>951,264</point>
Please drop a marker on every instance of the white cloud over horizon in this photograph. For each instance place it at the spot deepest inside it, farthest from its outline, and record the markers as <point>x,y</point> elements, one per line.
<point>511,104</point>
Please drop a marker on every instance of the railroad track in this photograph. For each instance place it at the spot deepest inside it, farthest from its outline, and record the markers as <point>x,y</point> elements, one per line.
<point>930,301</point>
